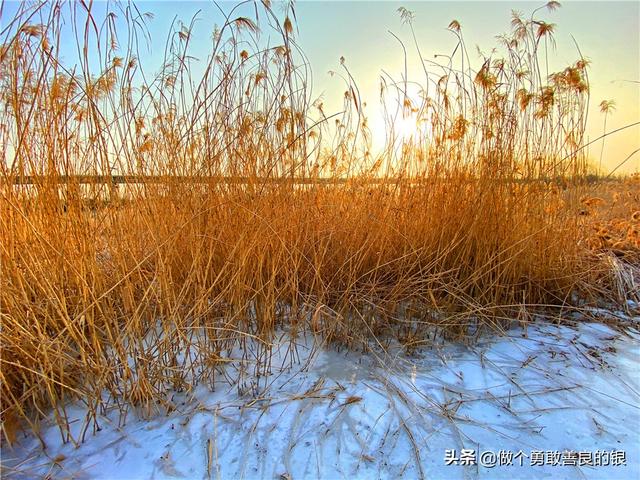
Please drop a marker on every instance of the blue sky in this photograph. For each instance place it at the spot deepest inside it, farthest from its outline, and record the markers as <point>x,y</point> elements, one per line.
<point>606,32</point>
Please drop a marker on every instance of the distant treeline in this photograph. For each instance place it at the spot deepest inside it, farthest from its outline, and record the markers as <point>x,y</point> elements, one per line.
<point>238,180</point>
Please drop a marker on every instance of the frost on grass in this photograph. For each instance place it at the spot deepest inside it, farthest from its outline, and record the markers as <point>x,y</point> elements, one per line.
<point>323,413</point>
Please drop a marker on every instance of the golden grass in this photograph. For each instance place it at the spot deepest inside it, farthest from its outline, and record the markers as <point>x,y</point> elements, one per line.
<point>116,295</point>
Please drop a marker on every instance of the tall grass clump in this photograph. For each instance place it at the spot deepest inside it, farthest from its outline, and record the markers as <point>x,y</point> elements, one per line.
<point>154,227</point>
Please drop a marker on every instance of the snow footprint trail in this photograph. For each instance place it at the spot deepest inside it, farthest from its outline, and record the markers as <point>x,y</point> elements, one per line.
<point>345,416</point>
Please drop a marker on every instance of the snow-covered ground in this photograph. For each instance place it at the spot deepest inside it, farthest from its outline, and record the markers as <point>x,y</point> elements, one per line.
<point>568,395</point>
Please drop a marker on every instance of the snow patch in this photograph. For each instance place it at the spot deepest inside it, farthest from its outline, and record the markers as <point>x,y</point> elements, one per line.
<point>331,414</point>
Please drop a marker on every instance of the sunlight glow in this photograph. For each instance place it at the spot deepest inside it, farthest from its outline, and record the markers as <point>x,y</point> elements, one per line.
<point>407,129</point>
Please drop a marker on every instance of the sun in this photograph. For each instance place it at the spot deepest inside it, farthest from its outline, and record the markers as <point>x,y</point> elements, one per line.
<point>399,128</point>
<point>406,129</point>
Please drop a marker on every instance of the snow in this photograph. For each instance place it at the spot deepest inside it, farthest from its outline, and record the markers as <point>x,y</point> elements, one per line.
<point>340,414</point>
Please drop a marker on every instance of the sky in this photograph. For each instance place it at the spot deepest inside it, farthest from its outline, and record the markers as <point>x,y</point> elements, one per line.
<point>606,32</point>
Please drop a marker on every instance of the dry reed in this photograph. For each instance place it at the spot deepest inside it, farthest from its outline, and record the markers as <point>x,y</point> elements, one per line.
<point>117,294</point>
